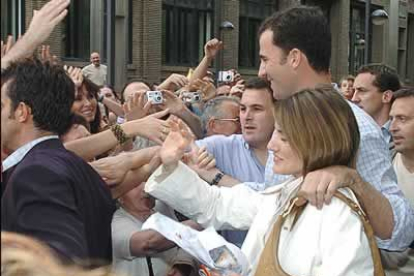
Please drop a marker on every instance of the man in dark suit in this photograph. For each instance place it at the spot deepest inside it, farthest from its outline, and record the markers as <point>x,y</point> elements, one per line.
<point>48,192</point>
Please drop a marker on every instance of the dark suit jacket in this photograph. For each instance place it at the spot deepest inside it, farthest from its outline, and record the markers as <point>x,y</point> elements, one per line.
<point>55,196</point>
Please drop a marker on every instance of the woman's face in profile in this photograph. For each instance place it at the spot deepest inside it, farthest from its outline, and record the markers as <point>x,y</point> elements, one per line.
<point>285,159</point>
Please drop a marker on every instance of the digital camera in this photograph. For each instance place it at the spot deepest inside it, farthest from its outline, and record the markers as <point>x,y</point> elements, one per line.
<point>226,76</point>
<point>192,97</point>
<point>155,97</point>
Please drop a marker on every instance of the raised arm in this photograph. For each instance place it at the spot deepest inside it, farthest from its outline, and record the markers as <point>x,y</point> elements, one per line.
<point>42,24</point>
<point>211,48</point>
<point>181,188</point>
<point>149,127</point>
<point>178,108</point>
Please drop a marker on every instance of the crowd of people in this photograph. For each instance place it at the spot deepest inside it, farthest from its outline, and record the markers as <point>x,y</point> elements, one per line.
<point>306,178</point>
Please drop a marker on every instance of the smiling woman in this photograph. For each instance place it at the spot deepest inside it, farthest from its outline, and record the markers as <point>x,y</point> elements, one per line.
<point>309,239</point>
<point>86,104</point>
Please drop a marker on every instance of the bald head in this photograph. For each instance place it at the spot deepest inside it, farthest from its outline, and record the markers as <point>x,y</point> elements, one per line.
<point>95,59</point>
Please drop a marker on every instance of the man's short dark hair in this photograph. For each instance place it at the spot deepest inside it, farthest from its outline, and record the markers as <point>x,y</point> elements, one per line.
<point>403,93</point>
<point>45,88</point>
<point>305,28</point>
<point>258,83</point>
<point>386,77</point>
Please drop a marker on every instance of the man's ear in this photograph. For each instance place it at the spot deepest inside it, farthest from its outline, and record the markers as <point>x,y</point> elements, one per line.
<point>23,112</point>
<point>295,58</point>
<point>387,96</point>
<point>211,125</point>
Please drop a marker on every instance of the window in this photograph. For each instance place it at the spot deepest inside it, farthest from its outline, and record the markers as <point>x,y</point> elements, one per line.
<point>12,18</point>
<point>76,40</point>
<point>252,13</point>
<point>357,39</point>
<point>357,36</point>
<point>130,32</point>
<point>186,26</point>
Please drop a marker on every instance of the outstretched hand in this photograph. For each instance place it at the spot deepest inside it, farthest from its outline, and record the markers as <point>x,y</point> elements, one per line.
<point>136,106</point>
<point>46,19</point>
<point>175,145</point>
<point>173,82</point>
<point>40,28</point>
<point>46,56</point>
<point>5,47</point>
<point>75,74</point>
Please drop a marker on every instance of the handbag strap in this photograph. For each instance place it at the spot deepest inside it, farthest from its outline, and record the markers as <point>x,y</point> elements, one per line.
<point>269,260</point>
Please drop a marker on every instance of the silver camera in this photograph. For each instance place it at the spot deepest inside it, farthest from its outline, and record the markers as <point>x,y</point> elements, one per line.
<point>155,97</point>
<point>192,97</point>
<point>226,76</point>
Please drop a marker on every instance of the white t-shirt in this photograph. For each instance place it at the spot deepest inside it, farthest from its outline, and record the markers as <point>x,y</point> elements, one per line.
<point>405,178</point>
<point>124,225</point>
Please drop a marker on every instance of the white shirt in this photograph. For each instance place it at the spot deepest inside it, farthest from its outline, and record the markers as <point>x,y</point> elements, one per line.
<point>18,155</point>
<point>323,242</point>
<point>124,226</point>
<point>405,178</point>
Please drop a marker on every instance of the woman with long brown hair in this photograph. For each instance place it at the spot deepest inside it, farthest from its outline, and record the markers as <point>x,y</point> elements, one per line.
<point>314,129</point>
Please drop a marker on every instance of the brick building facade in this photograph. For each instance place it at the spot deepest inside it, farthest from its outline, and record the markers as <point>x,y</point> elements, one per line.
<point>149,39</point>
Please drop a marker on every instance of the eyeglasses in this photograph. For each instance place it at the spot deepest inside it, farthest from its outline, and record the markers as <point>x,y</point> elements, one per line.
<point>235,120</point>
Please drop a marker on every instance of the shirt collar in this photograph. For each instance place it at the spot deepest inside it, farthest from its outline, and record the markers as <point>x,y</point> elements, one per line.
<point>21,152</point>
<point>386,125</point>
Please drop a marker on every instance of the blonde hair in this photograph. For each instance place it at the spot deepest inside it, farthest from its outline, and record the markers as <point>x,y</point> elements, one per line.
<point>320,126</point>
<point>25,256</point>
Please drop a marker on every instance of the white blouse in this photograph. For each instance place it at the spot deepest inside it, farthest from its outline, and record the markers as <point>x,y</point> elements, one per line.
<point>327,242</point>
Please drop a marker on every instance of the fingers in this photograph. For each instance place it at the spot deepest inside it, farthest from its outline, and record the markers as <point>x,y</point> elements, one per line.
<point>161,114</point>
<point>54,8</point>
<point>9,43</point>
<point>180,80</point>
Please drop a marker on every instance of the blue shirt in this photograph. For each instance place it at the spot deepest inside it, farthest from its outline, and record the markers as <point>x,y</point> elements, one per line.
<point>375,167</point>
<point>235,158</point>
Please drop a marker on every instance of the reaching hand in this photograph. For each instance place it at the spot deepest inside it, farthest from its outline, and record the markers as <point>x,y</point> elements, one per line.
<point>45,20</point>
<point>319,186</point>
<point>150,127</point>
<point>113,169</point>
<point>207,89</point>
<point>46,56</point>
<point>42,24</point>
<point>75,74</point>
<point>175,145</point>
<point>238,89</point>
<point>5,48</point>
<point>172,102</point>
<point>135,107</point>
<point>173,82</point>
<point>212,47</point>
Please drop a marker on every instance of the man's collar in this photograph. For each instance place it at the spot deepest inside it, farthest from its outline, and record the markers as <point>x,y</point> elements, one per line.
<point>386,125</point>
<point>21,152</point>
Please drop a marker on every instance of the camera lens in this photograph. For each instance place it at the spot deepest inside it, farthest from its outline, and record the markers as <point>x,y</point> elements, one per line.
<point>158,98</point>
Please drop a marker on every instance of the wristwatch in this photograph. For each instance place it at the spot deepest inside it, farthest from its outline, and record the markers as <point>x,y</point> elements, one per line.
<point>217,179</point>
